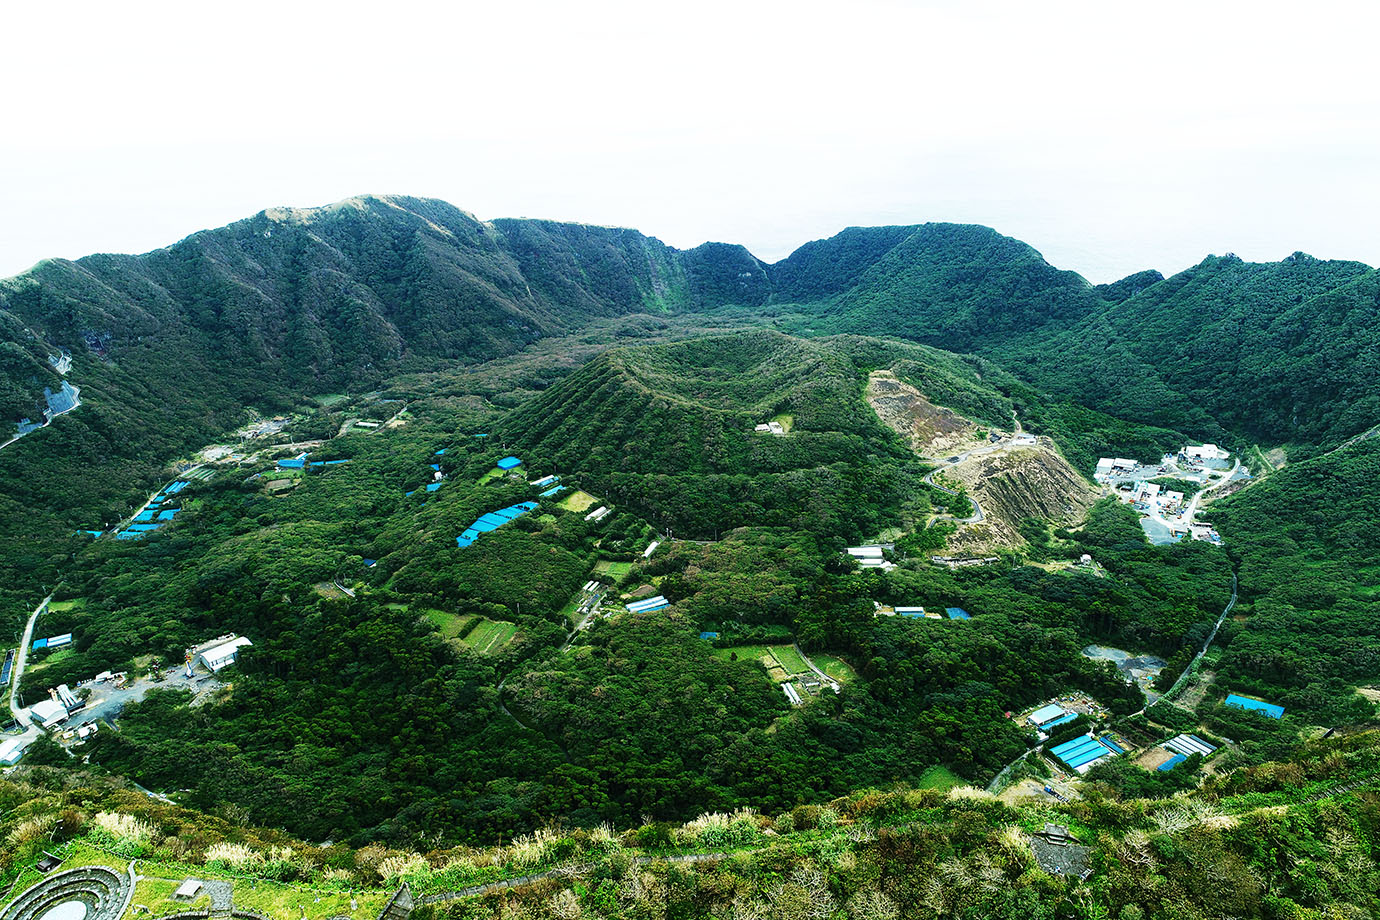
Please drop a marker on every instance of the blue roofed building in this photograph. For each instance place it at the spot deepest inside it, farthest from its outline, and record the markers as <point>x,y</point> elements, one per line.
<point>492,521</point>
<point>1254,705</point>
<point>509,463</point>
<point>957,613</point>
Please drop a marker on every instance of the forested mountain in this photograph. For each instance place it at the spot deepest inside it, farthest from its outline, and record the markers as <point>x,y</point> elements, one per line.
<point>367,710</point>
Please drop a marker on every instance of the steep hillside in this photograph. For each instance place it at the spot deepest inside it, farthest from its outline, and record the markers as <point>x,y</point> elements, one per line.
<point>1309,556</point>
<point>1281,352</point>
<point>963,288</point>
<point>824,268</point>
<point>644,419</point>
<point>1012,486</point>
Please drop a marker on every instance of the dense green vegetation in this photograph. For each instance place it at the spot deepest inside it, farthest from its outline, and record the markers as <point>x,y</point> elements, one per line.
<point>1290,838</point>
<point>443,695</point>
<point>1308,552</point>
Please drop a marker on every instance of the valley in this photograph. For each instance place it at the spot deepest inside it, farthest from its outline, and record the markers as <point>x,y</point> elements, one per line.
<point>655,560</point>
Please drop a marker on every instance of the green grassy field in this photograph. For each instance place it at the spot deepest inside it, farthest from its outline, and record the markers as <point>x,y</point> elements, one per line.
<point>836,668</point>
<point>578,501</point>
<point>941,778</point>
<point>60,655</point>
<point>490,636</point>
<point>329,399</point>
<point>449,625</point>
<point>60,606</point>
<point>790,659</point>
<point>785,421</point>
<point>614,570</point>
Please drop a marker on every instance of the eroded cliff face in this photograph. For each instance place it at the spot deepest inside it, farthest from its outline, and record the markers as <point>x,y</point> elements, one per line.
<point>1019,483</point>
<point>931,430</point>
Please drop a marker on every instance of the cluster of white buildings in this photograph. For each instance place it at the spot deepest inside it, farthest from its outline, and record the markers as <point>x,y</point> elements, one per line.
<point>771,428</point>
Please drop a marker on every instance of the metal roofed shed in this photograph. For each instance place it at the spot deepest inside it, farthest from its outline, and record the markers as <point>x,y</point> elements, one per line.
<point>492,521</point>
<point>224,654</point>
<point>11,751</point>
<point>1245,702</point>
<point>1082,753</point>
<point>1189,744</point>
<point>1046,714</point>
<point>509,463</point>
<point>48,713</point>
<point>651,603</point>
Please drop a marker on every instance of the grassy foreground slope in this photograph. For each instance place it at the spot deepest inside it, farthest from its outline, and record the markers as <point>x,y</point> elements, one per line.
<point>1295,838</point>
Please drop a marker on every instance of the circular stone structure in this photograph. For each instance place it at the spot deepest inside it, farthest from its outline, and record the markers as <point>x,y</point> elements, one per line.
<point>88,893</point>
<point>67,910</point>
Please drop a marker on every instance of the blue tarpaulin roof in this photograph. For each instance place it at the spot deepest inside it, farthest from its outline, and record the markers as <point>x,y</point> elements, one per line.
<point>508,463</point>
<point>552,491</point>
<point>1171,763</point>
<point>436,467</point>
<point>1245,702</point>
<point>146,515</point>
<point>167,515</point>
<point>709,635</point>
<point>441,452</point>
<point>492,521</point>
<point>432,486</point>
<point>957,613</point>
<point>1080,751</point>
<point>287,465</point>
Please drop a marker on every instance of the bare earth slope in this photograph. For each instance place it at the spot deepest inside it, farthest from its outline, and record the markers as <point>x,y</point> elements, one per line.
<point>931,430</point>
<point>1018,483</point>
<point>1009,481</point>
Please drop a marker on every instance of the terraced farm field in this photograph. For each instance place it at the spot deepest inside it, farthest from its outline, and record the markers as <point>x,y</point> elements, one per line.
<point>490,635</point>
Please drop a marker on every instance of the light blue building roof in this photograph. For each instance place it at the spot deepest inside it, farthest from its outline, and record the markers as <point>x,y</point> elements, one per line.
<point>492,521</point>
<point>508,463</point>
<point>1245,702</point>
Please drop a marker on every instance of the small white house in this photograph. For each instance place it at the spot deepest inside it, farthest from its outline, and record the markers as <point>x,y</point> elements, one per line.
<point>224,654</point>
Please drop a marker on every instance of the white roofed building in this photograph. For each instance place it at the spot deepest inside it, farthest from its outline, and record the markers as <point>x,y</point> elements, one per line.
<point>1206,452</point>
<point>48,713</point>
<point>223,655</point>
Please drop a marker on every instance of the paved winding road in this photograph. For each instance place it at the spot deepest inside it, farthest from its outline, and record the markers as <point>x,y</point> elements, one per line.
<point>977,514</point>
<point>21,658</point>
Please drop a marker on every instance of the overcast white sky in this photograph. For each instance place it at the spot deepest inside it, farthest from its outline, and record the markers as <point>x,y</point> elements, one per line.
<point>1110,136</point>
